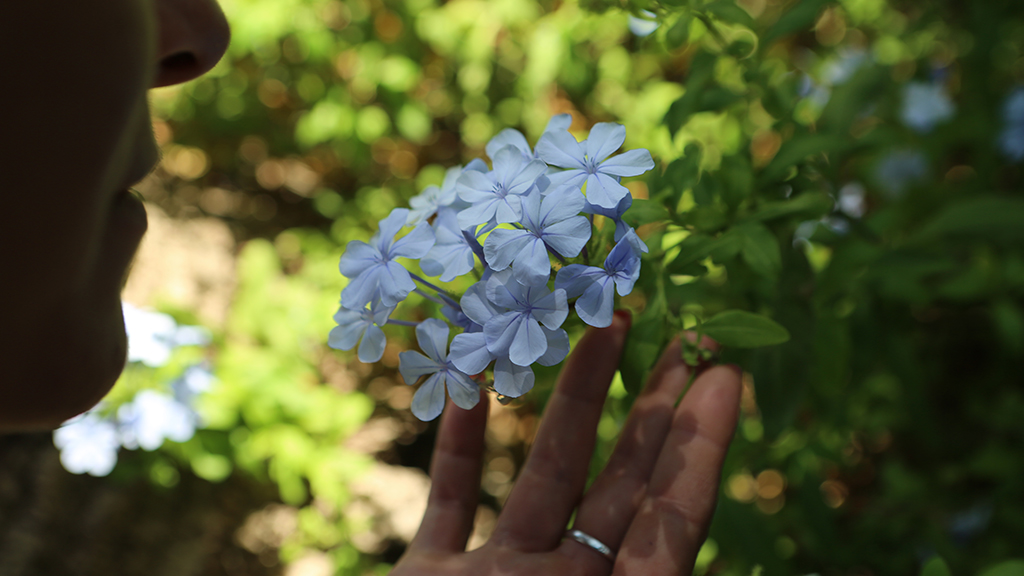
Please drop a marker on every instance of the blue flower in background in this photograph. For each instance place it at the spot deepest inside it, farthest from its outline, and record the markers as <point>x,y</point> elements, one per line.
<point>88,444</point>
<point>643,26</point>
<point>1011,139</point>
<point>152,336</point>
<point>925,105</point>
<point>371,267</point>
<point>433,198</point>
<point>900,170</point>
<point>552,221</point>
<point>495,196</point>
<point>193,382</point>
<point>152,417</point>
<point>595,287</point>
<point>514,138</point>
<point>428,402</point>
<point>453,253</point>
<point>588,162</point>
<point>362,327</point>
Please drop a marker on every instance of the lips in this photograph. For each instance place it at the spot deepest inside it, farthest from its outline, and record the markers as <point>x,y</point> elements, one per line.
<point>128,214</point>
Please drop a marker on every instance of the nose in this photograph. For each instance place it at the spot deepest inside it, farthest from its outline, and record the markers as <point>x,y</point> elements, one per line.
<point>194,35</point>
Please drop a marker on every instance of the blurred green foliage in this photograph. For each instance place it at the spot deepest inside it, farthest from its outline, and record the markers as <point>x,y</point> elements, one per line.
<point>885,431</point>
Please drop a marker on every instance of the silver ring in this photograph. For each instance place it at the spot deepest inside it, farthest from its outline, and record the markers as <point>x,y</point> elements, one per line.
<point>592,543</point>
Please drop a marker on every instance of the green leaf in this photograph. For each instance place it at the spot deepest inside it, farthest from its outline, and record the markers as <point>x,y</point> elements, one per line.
<point>679,33</point>
<point>991,218</point>
<point>935,567</point>
<point>643,346</point>
<point>728,10</point>
<point>796,20</point>
<point>645,212</point>
<point>702,68</point>
<point>807,206</point>
<point>741,329</point>
<point>760,249</point>
<point>796,150</point>
<point>698,247</point>
<point>1008,568</point>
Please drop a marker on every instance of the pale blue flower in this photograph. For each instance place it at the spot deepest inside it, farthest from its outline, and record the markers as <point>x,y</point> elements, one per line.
<point>152,417</point>
<point>495,196</point>
<point>518,332</point>
<point>153,336</point>
<point>844,66</point>
<point>643,26</point>
<point>514,138</point>
<point>371,267</point>
<point>852,200</point>
<point>588,162</point>
<point>549,222</point>
<point>433,198</point>
<point>470,352</point>
<point>925,105</point>
<point>453,253</point>
<point>900,170</point>
<point>1011,139</point>
<point>595,287</point>
<point>362,327</point>
<point>428,402</point>
<point>88,444</point>
<point>194,381</point>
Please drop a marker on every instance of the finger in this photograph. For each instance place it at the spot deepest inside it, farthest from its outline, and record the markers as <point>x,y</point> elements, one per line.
<point>610,504</point>
<point>674,516</point>
<point>455,479</point>
<point>547,490</point>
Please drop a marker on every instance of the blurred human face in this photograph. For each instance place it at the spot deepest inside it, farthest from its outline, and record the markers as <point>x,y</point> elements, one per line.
<point>75,101</point>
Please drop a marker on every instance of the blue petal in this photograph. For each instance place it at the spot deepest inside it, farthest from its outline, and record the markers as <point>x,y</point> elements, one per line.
<point>371,348</point>
<point>550,310</point>
<point>532,265</point>
<point>432,334</point>
<point>501,330</point>
<point>507,209</point>
<point>526,178</point>
<point>449,262</point>
<point>505,291</point>
<point>596,305</point>
<point>529,343</point>
<point>576,278</point>
<point>560,149</point>
<point>560,204</point>
<point>428,402</point>
<point>414,244</point>
<point>388,228</point>
<point>464,392</point>
<point>476,305</point>
<point>469,353</point>
<point>629,163</point>
<point>503,245</point>
<point>479,213</point>
<point>568,237</point>
<point>604,191</point>
<point>511,380</point>
<point>412,365</point>
<point>508,137</point>
<point>362,289</point>
<point>566,178</point>
<point>559,122</point>
<point>558,347</point>
<point>604,138</point>
<point>357,258</point>
<point>395,284</point>
<point>345,336</point>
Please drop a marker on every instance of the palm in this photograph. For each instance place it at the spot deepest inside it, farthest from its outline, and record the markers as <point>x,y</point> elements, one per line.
<point>652,503</point>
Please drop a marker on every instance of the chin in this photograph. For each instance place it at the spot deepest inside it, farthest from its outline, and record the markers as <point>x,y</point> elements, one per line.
<point>75,374</point>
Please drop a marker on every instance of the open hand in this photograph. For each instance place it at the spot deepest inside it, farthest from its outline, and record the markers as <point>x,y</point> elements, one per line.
<point>652,504</point>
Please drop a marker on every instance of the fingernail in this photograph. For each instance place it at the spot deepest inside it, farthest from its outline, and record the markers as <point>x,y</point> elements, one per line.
<point>624,318</point>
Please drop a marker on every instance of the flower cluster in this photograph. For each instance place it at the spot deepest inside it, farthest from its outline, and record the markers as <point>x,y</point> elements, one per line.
<point>504,223</point>
<point>89,443</point>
